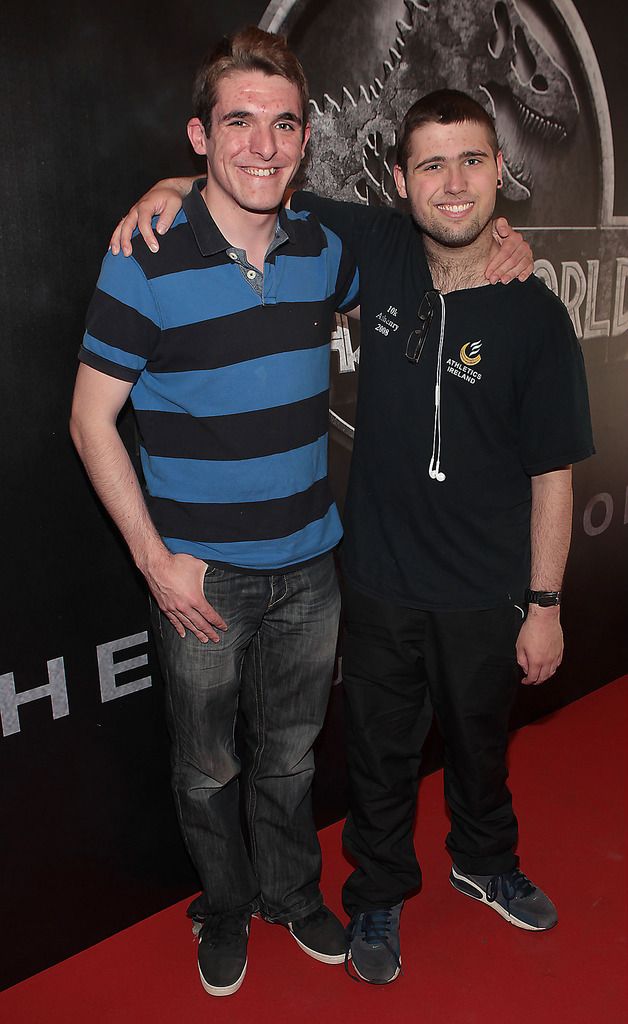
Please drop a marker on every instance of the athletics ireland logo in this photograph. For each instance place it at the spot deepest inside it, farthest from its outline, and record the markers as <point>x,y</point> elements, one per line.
<point>470,353</point>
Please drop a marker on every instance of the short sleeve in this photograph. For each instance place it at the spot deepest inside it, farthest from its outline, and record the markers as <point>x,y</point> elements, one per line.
<point>555,417</point>
<point>347,281</point>
<point>350,221</point>
<point>122,323</point>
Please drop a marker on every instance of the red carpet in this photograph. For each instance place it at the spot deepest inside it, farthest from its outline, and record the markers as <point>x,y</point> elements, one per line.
<point>463,964</point>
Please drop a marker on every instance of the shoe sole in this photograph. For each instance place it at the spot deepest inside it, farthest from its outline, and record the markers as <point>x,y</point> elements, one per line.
<point>225,990</point>
<point>323,958</point>
<point>479,895</point>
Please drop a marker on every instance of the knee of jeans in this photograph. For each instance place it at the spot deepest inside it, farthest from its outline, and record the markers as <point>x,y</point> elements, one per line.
<point>206,770</point>
<point>286,761</point>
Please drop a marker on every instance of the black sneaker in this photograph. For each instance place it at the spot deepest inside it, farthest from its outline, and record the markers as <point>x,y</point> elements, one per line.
<point>373,944</point>
<point>222,959</point>
<point>512,895</point>
<point>320,935</point>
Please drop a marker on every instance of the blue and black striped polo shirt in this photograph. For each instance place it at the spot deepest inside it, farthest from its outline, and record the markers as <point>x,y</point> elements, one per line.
<point>230,387</point>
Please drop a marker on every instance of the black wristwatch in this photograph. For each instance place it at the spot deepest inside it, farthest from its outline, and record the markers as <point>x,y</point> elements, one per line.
<point>544,598</point>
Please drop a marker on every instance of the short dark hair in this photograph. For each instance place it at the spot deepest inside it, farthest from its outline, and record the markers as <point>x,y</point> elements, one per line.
<point>445,106</point>
<point>250,49</point>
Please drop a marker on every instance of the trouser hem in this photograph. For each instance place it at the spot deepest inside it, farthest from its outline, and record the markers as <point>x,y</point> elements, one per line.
<point>293,915</point>
<point>485,865</point>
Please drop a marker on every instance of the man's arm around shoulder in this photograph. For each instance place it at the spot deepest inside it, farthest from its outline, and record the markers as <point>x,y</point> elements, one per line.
<point>175,581</point>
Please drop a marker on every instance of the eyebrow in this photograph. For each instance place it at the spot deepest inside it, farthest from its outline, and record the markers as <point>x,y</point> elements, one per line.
<point>443,159</point>
<point>287,115</point>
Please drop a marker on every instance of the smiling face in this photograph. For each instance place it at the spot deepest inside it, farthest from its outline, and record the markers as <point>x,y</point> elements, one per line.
<point>451,182</point>
<point>256,143</point>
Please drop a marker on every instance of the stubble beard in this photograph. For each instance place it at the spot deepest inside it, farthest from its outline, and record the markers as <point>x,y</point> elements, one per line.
<point>454,237</point>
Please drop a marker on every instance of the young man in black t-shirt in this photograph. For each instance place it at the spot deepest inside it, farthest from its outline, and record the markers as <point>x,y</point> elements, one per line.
<point>470,412</point>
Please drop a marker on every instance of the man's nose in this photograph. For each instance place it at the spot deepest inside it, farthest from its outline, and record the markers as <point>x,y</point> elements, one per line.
<point>263,141</point>
<point>455,180</point>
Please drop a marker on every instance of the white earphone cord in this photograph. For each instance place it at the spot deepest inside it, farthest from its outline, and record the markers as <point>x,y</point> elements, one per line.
<point>435,471</point>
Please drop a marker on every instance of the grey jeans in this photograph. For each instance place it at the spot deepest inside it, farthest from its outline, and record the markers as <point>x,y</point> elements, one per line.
<point>266,681</point>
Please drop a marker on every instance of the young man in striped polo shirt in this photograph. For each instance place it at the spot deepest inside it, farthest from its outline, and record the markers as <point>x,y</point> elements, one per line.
<point>221,341</point>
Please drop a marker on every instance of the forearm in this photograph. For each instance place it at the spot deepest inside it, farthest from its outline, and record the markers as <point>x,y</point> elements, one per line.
<point>182,185</point>
<point>110,470</point>
<point>550,528</point>
<point>540,640</point>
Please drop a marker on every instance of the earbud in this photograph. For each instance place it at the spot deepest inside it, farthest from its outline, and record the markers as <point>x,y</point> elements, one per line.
<point>436,474</point>
<point>499,183</point>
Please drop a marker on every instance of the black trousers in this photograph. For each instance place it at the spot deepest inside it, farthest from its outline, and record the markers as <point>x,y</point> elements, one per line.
<point>401,666</point>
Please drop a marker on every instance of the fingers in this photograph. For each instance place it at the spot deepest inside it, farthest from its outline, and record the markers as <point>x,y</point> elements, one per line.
<point>114,241</point>
<point>145,213</point>
<point>519,267</point>
<point>512,258</point>
<point>178,625</point>
<point>539,672</point>
<point>508,263</point>
<point>121,238</point>
<point>196,624</point>
<point>172,205</point>
<point>522,661</point>
<point>211,617</point>
<point>203,621</point>
<point>501,229</point>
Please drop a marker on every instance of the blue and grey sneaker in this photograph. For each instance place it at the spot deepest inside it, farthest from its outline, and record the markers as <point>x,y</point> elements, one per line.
<point>373,944</point>
<point>512,895</point>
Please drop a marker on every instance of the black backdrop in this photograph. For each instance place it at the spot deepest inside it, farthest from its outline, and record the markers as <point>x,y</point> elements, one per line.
<point>94,104</point>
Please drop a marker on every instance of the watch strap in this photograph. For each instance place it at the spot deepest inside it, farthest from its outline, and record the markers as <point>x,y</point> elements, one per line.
<point>544,598</point>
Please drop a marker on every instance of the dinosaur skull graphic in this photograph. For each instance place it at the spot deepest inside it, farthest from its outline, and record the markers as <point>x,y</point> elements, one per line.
<point>514,56</point>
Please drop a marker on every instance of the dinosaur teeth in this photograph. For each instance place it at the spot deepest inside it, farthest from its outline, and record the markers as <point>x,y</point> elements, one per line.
<point>365,94</point>
<point>368,172</point>
<point>395,53</point>
<point>330,101</point>
<point>349,96</point>
<point>401,25</point>
<point>546,127</point>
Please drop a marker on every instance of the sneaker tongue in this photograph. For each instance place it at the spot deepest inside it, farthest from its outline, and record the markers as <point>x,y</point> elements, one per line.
<point>376,926</point>
<point>222,927</point>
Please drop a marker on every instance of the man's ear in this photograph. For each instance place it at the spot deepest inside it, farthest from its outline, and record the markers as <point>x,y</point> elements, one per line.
<point>306,139</point>
<point>400,181</point>
<point>197,137</point>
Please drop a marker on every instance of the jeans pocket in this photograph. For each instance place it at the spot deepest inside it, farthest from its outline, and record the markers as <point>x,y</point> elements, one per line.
<point>213,573</point>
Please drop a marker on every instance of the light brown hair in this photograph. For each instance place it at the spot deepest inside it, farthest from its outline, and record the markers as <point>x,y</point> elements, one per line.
<point>250,49</point>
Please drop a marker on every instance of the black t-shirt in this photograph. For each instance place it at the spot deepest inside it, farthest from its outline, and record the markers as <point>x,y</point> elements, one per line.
<point>513,404</point>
